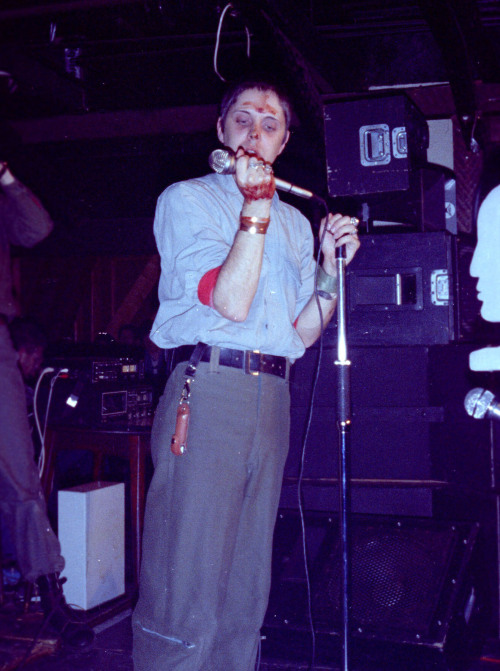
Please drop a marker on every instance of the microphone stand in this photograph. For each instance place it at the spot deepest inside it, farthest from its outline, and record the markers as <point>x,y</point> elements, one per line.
<point>344,425</point>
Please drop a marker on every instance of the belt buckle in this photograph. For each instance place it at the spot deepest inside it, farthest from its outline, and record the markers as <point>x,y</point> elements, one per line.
<point>252,357</point>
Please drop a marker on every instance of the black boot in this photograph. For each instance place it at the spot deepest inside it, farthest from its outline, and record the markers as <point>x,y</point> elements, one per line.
<point>60,617</point>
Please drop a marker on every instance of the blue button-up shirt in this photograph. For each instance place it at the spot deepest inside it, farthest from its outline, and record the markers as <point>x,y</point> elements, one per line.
<point>195,225</point>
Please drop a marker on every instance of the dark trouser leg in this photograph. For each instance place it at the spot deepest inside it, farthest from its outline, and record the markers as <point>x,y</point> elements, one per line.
<point>22,504</point>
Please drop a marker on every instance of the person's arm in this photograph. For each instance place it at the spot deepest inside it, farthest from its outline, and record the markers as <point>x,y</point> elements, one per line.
<point>239,275</point>
<point>27,221</point>
<point>339,231</point>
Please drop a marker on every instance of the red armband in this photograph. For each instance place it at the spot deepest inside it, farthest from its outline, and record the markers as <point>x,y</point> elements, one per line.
<point>206,286</point>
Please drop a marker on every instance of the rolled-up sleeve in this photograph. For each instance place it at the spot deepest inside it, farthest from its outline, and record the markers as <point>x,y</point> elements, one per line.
<point>189,238</point>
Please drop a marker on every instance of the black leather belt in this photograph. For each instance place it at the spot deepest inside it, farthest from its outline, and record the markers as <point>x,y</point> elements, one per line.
<point>250,362</point>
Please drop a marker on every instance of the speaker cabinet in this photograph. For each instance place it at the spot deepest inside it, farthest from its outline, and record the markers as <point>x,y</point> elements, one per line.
<point>372,144</point>
<point>410,289</point>
<point>414,450</point>
<point>419,592</point>
<point>430,204</point>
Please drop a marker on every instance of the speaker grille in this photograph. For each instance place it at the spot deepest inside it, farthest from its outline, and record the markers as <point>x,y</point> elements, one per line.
<point>397,578</point>
<point>419,590</point>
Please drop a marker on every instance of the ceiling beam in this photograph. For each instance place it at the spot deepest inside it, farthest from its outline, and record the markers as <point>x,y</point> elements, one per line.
<point>98,125</point>
<point>62,7</point>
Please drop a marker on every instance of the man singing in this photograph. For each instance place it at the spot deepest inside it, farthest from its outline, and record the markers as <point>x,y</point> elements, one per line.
<point>237,281</point>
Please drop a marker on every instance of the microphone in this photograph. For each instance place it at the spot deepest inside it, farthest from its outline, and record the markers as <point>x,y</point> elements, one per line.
<point>482,404</point>
<point>223,161</point>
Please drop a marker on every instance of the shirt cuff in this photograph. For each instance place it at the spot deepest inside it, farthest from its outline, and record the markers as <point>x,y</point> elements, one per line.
<point>206,286</point>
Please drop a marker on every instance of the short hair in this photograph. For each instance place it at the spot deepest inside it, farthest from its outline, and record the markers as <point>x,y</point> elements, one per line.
<point>27,334</point>
<point>261,84</point>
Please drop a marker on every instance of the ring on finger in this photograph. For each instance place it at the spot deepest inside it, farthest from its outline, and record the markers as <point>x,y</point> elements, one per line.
<point>354,221</point>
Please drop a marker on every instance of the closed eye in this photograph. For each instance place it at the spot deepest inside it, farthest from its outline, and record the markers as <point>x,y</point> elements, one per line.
<point>271,126</point>
<point>242,119</point>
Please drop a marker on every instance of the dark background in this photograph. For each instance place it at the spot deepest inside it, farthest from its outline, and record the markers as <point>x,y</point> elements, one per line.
<point>105,102</point>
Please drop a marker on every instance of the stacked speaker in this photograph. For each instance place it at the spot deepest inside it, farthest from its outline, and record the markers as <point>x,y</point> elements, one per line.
<point>423,504</point>
<point>420,595</point>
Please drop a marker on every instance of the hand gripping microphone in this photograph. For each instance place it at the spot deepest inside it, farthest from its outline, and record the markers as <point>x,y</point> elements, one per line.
<point>223,161</point>
<point>482,404</point>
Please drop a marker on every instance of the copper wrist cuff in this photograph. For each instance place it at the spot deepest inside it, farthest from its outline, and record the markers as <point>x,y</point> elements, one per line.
<point>254,224</point>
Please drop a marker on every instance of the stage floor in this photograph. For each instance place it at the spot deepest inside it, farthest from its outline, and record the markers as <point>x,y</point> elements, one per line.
<point>112,651</point>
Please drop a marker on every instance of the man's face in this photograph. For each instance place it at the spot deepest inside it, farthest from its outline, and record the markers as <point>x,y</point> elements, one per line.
<point>256,121</point>
<point>485,263</point>
<point>30,362</point>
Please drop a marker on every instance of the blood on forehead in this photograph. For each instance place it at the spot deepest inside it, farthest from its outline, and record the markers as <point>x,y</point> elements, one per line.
<point>268,109</point>
<point>262,104</point>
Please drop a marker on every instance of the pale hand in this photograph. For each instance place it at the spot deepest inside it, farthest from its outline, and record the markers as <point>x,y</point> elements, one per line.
<point>340,230</point>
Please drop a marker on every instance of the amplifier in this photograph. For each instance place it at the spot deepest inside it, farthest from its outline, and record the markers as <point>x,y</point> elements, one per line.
<point>106,369</point>
<point>97,362</point>
<point>78,402</point>
<point>119,369</point>
<point>130,404</point>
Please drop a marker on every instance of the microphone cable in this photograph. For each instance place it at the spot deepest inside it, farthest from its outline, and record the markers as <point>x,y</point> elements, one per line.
<point>42,431</point>
<point>304,445</point>
<point>310,613</point>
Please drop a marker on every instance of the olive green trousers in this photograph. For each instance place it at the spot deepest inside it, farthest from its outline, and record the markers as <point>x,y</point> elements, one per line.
<point>210,516</point>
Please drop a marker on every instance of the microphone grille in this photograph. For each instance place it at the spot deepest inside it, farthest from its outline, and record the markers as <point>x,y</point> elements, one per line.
<point>477,402</point>
<point>221,160</point>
